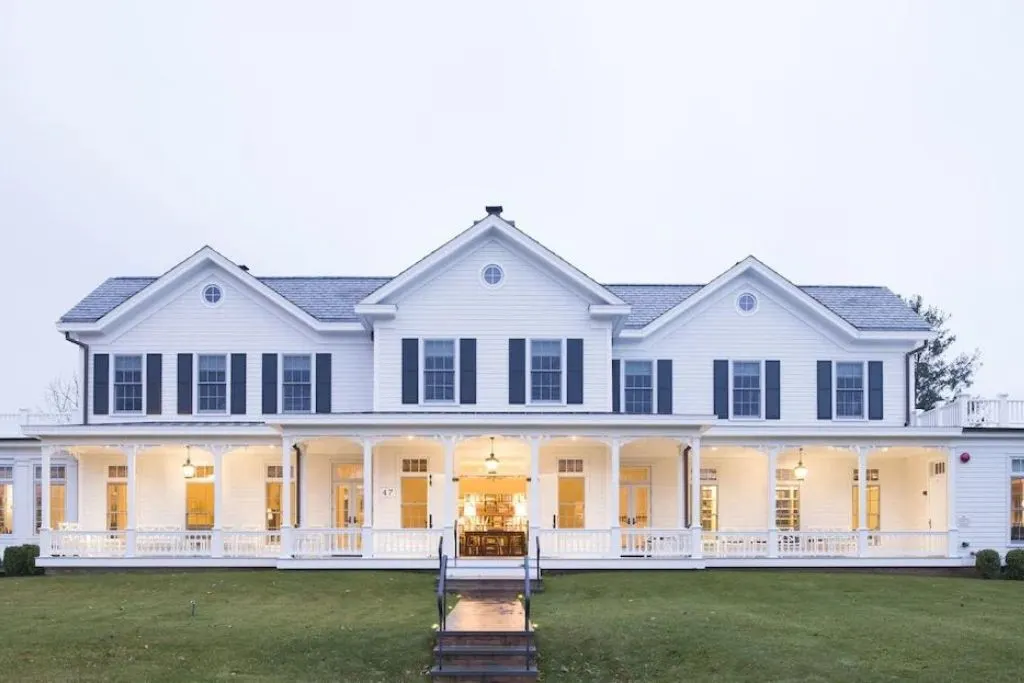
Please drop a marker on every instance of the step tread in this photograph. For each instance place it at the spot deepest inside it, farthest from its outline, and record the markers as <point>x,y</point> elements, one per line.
<point>486,649</point>
<point>452,632</point>
<point>476,669</point>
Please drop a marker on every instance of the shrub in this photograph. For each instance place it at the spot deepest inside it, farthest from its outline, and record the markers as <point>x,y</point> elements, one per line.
<point>20,560</point>
<point>987,563</point>
<point>1015,564</point>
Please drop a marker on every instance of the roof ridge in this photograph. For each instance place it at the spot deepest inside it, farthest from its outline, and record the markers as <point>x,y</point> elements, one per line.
<point>324,277</point>
<point>653,284</point>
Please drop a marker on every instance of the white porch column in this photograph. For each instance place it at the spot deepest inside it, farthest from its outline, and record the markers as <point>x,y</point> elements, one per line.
<point>286,497</point>
<point>681,489</point>
<point>367,541</point>
<point>696,535</point>
<point>773,529</point>
<point>217,549</point>
<point>613,499</point>
<point>71,504</point>
<point>862,498</point>
<point>131,513</point>
<point>953,533</point>
<point>44,531</point>
<point>450,495</point>
<point>534,494</point>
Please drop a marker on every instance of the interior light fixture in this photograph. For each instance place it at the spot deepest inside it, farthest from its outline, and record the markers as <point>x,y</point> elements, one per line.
<point>188,469</point>
<point>491,463</point>
<point>800,471</point>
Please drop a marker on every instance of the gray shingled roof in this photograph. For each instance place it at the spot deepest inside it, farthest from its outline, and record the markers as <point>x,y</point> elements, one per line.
<point>333,299</point>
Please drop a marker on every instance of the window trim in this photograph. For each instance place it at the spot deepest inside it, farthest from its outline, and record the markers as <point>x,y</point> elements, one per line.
<point>280,383</point>
<point>202,293</point>
<point>761,390</point>
<point>9,481</point>
<point>1011,477</point>
<point>654,384</point>
<point>227,384</point>
<point>423,372</point>
<point>113,386</point>
<point>562,372</point>
<point>863,417</point>
<point>483,278</point>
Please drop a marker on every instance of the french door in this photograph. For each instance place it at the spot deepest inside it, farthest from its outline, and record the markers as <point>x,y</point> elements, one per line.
<point>347,508</point>
<point>634,508</point>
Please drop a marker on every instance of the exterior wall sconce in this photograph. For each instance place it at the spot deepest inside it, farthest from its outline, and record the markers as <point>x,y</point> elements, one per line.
<point>800,471</point>
<point>188,469</point>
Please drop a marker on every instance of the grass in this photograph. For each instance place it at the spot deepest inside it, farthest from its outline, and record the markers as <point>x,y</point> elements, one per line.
<point>778,626</point>
<point>249,626</point>
<point>615,626</point>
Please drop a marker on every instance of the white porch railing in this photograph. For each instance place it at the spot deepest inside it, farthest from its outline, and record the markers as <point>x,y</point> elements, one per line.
<point>735,544</point>
<point>173,543</point>
<point>11,423</point>
<point>241,544</point>
<point>410,543</point>
<point>575,543</point>
<point>907,544</point>
<point>965,411</point>
<point>655,542</point>
<point>65,543</point>
<point>328,542</point>
<point>817,544</point>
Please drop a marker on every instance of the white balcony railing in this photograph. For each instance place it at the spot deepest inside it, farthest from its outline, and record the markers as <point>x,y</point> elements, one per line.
<point>87,544</point>
<point>312,543</point>
<point>575,543</point>
<point>242,544</point>
<point>173,543</point>
<point>817,544</point>
<point>890,544</point>
<point>735,544</point>
<point>405,543</point>
<point>667,543</point>
<point>11,424</point>
<point>965,411</point>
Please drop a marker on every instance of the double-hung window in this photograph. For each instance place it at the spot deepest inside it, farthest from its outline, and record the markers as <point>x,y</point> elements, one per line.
<point>296,384</point>
<point>439,370</point>
<point>850,390</point>
<point>6,499</point>
<point>58,496</point>
<point>639,386</point>
<point>213,384</point>
<point>127,384</point>
<point>546,370</point>
<point>1017,500</point>
<point>746,389</point>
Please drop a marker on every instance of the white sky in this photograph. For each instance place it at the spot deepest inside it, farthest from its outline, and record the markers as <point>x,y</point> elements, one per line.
<point>841,143</point>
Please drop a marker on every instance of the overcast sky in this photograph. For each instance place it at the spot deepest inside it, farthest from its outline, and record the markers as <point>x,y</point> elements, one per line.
<point>854,143</point>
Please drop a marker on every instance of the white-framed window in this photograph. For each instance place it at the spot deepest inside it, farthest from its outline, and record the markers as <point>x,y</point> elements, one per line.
<point>570,465</point>
<point>746,303</point>
<point>296,383</point>
<point>273,495</point>
<point>414,494</point>
<point>546,375</point>
<point>128,384</point>
<point>414,465</point>
<point>638,386</point>
<point>58,496</point>
<point>439,359</point>
<point>212,383</point>
<point>492,274</point>
<point>1017,500</point>
<point>212,294</point>
<point>872,474</point>
<point>6,499</point>
<point>850,390</point>
<point>747,391</point>
<point>572,494</point>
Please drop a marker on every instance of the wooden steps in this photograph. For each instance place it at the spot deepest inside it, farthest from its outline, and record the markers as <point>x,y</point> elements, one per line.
<point>486,639</point>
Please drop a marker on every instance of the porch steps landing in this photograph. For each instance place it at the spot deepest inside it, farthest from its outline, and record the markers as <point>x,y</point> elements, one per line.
<point>498,578</point>
<point>485,639</point>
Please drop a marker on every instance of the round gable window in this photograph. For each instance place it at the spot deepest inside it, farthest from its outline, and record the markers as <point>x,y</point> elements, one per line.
<point>212,294</point>
<point>493,274</point>
<point>746,303</point>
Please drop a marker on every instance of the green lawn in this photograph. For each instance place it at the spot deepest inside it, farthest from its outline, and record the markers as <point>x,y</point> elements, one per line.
<point>778,626</point>
<point>623,626</point>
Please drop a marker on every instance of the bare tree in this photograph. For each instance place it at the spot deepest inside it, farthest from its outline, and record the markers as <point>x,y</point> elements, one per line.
<point>63,395</point>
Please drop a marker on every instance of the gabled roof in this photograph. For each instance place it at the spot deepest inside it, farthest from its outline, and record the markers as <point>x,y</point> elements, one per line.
<point>493,225</point>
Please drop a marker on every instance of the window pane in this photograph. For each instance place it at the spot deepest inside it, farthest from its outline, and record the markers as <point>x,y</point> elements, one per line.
<point>199,505</point>
<point>639,389</point>
<point>571,503</point>
<point>439,370</point>
<point>414,502</point>
<point>546,370</point>
<point>849,390</point>
<point>787,508</point>
<point>746,389</point>
<point>6,508</point>
<point>128,384</point>
<point>709,507</point>
<point>1017,510</point>
<point>213,384</point>
<point>296,389</point>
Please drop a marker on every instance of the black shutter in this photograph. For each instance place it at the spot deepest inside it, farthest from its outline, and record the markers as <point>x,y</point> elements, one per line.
<point>665,386</point>
<point>574,371</point>
<point>323,383</point>
<point>773,390</point>
<point>616,386</point>
<point>722,389</point>
<point>238,397</point>
<point>875,396</point>
<point>154,383</point>
<point>410,371</point>
<point>184,384</point>
<point>269,380</point>
<point>100,384</point>
<point>467,371</point>
<point>824,390</point>
<point>517,371</point>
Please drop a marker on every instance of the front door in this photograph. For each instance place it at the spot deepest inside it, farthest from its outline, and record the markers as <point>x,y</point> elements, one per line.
<point>634,508</point>
<point>347,508</point>
<point>117,506</point>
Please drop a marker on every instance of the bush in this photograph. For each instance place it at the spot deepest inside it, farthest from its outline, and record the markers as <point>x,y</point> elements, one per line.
<point>987,563</point>
<point>1015,564</point>
<point>20,560</point>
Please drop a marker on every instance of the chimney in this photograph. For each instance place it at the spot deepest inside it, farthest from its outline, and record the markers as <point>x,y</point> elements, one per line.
<point>244,267</point>
<point>494,210</point>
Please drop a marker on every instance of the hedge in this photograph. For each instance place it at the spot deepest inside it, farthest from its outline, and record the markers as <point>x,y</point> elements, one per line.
<point>20,560</point>
<point>988,564</point>
<point>1015,564</point>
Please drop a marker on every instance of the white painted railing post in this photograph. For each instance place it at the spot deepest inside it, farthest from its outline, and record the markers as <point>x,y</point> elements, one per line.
<point>287,537</point>
<point>951,513</point>
<point>132,512</point>
<point>217,537</point>
<point>1003,419</point>
<point>450,504</point>
<point>696,534</point>
<point>862,513</point>
<point>367,535</point>
<point>614,523</point>
<point>773,529</point>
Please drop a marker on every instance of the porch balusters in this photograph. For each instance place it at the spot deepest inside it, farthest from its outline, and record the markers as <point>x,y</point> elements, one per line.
<point>613,498</point>
<point>862,499</point>
<point>697,537</point>
<point>217,545</point>
<point>773,529</point>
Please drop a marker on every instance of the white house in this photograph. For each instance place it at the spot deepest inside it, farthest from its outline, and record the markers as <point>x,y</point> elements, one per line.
<point>493,400</point>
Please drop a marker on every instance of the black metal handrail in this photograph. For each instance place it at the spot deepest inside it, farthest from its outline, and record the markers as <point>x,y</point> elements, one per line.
<point>537,543</point>
<point>526,603</point>
<point>442,607</point>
